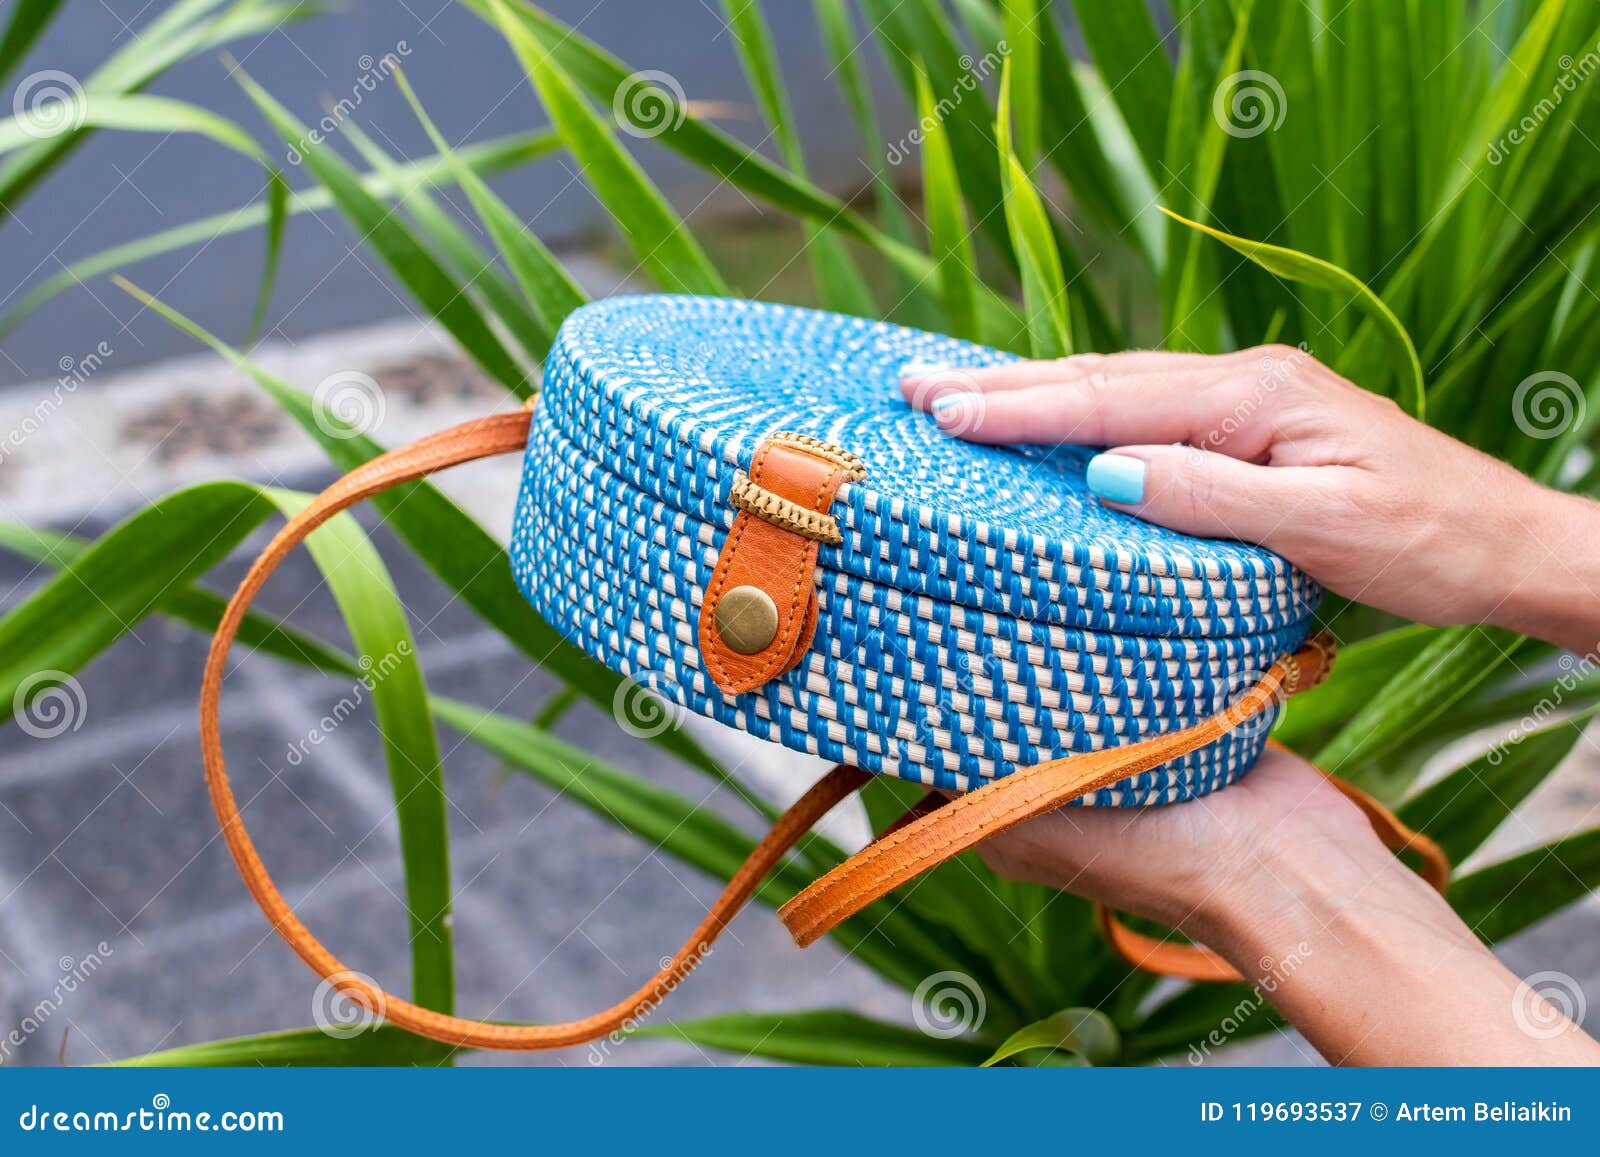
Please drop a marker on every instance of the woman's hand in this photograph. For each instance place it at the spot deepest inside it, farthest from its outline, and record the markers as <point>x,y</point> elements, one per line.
<point>1285,878</point>
<point>1270,446</point>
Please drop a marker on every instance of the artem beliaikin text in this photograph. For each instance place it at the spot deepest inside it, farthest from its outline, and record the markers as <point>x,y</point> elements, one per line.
<point>1488,1112</point>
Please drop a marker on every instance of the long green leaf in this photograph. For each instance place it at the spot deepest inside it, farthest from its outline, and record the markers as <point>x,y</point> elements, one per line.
<point>485,159</point>
<point>114,585</point>
<point>1307,270</point>
<point>29,18</point>
<point>1455,661</point>
<point>660,241</point>
<point>379,227</point>
<point>1044,286</point>
<point>1085,1033</point>
<point>1464,808</point>
<point>546,284</point>
<point>149,559</point>
<point>947,222</point>
<point>1501,900</point>
<point>1130,54</point>
<point>478,270</point>
<point>372,611</point>
<point>383,1044</point>
<point>839,283</point>
<point>196,606</point>
<point>884,937</point>
<point>820,1037</point>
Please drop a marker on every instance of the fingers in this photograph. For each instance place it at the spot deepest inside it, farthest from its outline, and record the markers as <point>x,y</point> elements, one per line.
<point>918,376</point>
<point>1202,493</point>
<point>1133,398</point>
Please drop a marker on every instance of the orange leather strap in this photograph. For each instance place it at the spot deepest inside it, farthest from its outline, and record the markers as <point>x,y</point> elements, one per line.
<point>772,548</point>
<point>965,822</point>
<point>928,836</point>
<point>502,434</point>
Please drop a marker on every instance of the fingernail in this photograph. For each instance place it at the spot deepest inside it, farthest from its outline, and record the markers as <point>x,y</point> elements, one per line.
<point>922,369</point>
<point>947,406</point>
<point>1116,478</point>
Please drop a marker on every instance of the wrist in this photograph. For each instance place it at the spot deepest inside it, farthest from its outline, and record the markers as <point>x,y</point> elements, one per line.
<point>1548,576</point>
<point>1323,888</point>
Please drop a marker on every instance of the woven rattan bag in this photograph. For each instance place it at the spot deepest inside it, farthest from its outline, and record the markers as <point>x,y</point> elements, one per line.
<point>730,504</point>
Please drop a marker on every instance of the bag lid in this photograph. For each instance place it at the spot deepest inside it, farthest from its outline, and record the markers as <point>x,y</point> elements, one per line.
<point>672,394</point>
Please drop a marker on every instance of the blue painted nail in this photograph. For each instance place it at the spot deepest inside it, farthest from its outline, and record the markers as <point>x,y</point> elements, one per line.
<point>948,403</point>
<point>1116,478</point>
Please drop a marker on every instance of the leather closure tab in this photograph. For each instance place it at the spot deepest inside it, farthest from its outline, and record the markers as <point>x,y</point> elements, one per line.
<point>771,551</point>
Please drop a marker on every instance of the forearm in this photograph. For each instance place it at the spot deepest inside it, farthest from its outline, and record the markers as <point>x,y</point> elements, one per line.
<point>1548,558</point>
<point>1374,968</point>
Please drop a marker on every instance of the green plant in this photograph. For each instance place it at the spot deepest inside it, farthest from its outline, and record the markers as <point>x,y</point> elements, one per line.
<point>1358,177</point>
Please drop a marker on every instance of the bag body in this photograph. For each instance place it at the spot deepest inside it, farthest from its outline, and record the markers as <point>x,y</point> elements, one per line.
<point>980,612</point>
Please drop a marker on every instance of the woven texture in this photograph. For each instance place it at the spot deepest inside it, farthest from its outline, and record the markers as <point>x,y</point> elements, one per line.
<point>983,611</point>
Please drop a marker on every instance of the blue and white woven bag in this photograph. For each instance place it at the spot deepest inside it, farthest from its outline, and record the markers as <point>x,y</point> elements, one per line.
<point>731,505</point>
<point>982,612</point>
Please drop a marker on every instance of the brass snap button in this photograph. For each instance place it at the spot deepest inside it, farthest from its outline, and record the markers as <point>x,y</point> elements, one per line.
<point>747,620</point>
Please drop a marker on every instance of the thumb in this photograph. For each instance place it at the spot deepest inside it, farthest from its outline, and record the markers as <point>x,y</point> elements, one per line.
<point>1198,492</point>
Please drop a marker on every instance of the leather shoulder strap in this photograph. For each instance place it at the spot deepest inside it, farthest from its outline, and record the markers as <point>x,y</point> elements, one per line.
<point>501,434</point>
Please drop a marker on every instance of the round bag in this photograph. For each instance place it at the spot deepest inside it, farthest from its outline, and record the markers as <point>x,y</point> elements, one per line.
<point>731,504</point>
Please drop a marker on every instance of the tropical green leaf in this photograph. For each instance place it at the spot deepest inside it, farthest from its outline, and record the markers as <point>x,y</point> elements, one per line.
<point>947,222</point>
<point>820,1037</point>
<point>382,1044</point>
<point>1084,1033</point>
<point>490,157</point>
<point>417,269</point>
<point>660,241</point>
<point>1129,53</point>
<point>1455,661</point>
<point>546,284</point>
<point>29,18</point>
<point>478,270</point>
<point>150,558</point>
<point>196,606</point>
<point>839,283</point>
<point>1313,271</point>
<point>1044,286</point>
<point>1464,808</point>
<point>1501,900</point>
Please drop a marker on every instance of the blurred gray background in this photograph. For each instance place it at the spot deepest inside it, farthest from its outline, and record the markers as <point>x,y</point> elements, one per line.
<point>128,185</point>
